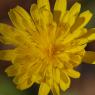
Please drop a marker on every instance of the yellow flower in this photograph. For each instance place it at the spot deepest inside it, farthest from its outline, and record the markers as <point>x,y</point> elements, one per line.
<point>48,45</point>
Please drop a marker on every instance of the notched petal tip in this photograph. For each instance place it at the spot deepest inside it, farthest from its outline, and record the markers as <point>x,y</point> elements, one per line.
<point>87,15</point>
<point>75,9</point>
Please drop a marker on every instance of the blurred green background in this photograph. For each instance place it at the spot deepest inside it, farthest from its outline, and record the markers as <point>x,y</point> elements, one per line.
<point>83,86</point>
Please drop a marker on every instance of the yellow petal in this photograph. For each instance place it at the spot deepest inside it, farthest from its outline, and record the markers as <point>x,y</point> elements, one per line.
<point>58,63</point>
<point>63,85</point>
<point>23,82</point>
<point>43,4</point>
<point>82,20</point>
<point>89,57</point>
<point>76,48</point>
<point>44,89</point>
<point>37,16</point>
<point>20,18</point>
<point>63,57</point>
<point>87,15</point>
<point>24,85</point>
<point>75,9</point>
<point>34,12</point>
<point>77,60</point>
<point>56,75</point>
<point>73,13</point>
<point>59,9</point>
<point>88,37</point>
<point>49,73</point>
<point>74,35</point>
<point>7,55</point>
<point>10,35</point>
<point>64,81</point>
<point>72,73</point>
<point>22,12</point>
<point>55,89</point>
<point>36,78</point>
<point>7,34</point>
<point>11,71</point>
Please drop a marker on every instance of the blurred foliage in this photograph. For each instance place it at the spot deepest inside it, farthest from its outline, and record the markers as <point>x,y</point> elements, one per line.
<point>7,87</point>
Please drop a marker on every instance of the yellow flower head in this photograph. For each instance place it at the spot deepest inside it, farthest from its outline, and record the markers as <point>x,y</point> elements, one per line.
<point>48,45</point>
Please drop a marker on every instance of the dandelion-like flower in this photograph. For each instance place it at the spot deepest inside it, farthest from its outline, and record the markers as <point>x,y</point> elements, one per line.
<point>48,45</point>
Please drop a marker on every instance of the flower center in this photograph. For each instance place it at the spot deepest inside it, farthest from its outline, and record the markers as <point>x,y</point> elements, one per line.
<point>51,51</point>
